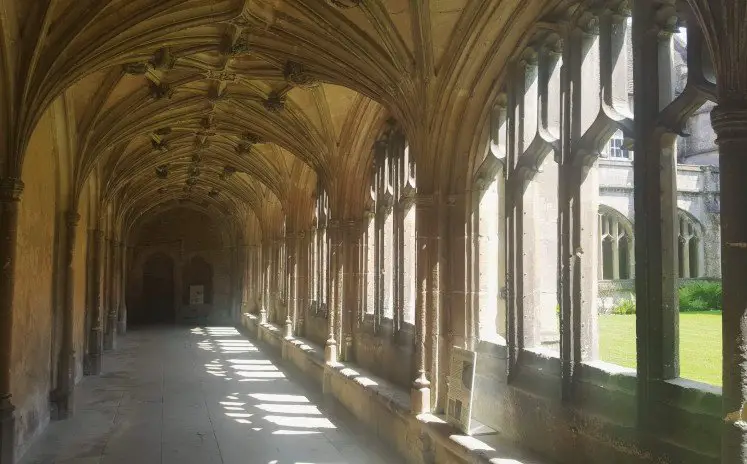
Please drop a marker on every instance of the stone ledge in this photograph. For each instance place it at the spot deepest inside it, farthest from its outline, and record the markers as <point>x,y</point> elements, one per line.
<point>385,408</point>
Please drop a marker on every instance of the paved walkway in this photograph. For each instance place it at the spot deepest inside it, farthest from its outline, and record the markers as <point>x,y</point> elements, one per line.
<point>202,396</point>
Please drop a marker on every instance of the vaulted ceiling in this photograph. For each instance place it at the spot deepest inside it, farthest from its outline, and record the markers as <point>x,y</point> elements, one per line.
<point>245,106</point>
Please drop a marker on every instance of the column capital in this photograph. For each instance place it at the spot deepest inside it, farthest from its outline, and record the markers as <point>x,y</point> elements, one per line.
<point>72,218</point>
<point>729,121</point>
<point>11,189</point>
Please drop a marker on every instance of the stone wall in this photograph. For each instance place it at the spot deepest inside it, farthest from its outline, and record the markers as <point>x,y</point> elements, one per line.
<point>34,289</point>
<point>183,234</point>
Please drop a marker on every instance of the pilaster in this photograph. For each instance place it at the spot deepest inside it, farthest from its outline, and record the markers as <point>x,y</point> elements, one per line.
<point>63,397</point>
<point>96,336</point>
<point>331,352</point>
<point>122,312</point>
<point>110,340</point>
<point>10,196</point>
<point>426,275</point>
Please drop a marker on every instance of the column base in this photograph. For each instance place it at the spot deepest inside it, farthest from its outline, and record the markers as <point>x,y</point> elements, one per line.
<point>92,364</point>
<point>330,352</point>
<point>263,316</point>
<point>7,430</point>
<point>121,327</point>
<point>420,399</point>
<point>63,404</point>
<point>288,330</point>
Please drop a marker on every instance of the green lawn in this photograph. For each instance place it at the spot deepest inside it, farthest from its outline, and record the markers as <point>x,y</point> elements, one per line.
<point>700,344</point>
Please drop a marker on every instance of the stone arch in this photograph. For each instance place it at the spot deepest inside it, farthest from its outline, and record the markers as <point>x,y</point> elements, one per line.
<point>616,245</point>
<point>690,255</point>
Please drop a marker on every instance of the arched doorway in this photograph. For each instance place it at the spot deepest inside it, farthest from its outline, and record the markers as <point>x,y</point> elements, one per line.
<point>157,305</point>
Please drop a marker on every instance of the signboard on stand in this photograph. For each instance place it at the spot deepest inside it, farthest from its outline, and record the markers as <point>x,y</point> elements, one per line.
<point>196,294</point>
<point>461,388</point>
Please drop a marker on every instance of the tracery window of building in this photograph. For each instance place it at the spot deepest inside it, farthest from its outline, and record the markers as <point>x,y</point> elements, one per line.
<point>616,148</point>
<point>394,188</point>
<point>688,247</point>
<point>616,245</point>
<point>488,262</point>
<point>320,256</point>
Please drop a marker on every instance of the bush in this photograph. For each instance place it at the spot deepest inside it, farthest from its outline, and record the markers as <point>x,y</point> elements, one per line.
<point>700,296</point>
<point>626,306</point>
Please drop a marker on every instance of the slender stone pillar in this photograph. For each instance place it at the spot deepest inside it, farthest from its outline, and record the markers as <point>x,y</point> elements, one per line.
<point>335,266</point>
<point>10,196</point>
<point>351,297</point>
<point>290,253</point>
<point>110,338</point>
<point>245,283</point>
<point>122,312</point>
<point>63,397</point>
<point>729,121</point>
<point>265,294</point>
<point>421,392</point>
<point>302,275</point>
<point>96,336</point>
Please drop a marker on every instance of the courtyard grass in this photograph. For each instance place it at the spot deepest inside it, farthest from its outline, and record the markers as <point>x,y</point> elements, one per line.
<point>700,344</point>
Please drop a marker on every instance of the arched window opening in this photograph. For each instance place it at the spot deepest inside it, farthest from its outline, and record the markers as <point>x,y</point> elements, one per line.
<point>320,256</point>
<point>688,247</point>
<point>615,234</point>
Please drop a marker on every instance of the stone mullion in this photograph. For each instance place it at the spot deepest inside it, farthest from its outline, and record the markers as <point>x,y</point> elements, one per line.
<point>656,310</point>
<point>425,208</point>
<point>96,336</point>
<point>10,196</point>
<point>333,300</point>
<point>64,396</point>
<point>615,249</point>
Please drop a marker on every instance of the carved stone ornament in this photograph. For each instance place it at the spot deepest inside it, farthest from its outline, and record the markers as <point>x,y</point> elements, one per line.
<point>159,91</point>
<point>297,76</point>
<point>162,171</point>
<point>163,59</point>
<point>213,193</point>
<point>344,4</point>
<point>274,103</point>
<point>159,145</point>
<point>234,47</point>
<point>191,181</point>
<point>136,69</point>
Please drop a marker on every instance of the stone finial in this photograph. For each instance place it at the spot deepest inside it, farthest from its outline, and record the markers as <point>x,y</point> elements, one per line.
<point>11,189</point>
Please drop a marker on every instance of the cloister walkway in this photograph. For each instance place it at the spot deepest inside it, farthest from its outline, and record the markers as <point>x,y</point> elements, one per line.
<point>202,395</point>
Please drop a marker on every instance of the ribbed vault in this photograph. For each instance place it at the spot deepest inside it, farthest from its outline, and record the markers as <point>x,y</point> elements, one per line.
<point>247,107</point>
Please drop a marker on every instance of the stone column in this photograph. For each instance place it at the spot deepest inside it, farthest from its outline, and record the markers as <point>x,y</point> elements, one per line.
<point>729,121</point>
<point>122,312</point>
<point>302,275</point>
<point>63,397</point>
<point>110,335</point>
<point>96,336</point>
<point>245,282</point>
<point>265,280</point>
<point>335,269</point>
<point>290,308</point>
<point>10,196</point>
<point>424,224</point>
<point>351,277</point>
